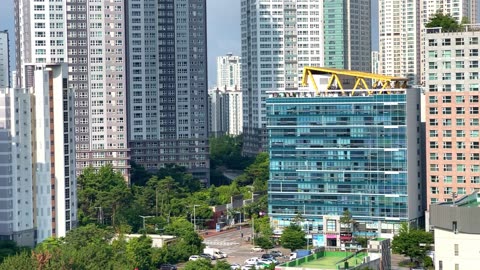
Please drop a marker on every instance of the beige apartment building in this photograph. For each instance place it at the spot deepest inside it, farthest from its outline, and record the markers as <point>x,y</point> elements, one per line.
<point>452,113</point>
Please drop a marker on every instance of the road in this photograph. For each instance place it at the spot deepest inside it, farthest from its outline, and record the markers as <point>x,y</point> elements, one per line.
<point>231,242</point>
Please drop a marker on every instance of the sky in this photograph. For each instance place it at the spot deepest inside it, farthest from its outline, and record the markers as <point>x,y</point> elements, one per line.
<point>223,30</point>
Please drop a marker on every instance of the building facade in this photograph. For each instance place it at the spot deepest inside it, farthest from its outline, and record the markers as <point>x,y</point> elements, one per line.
<point>228,71</point>
<point>4,60</point>
<point>91,37</point>
<point>452,113</point>
<point>456,231</point>
<point>168,95</point>
<point>53,151</point>
<point>16,193</point>
<point>402,33</point>
<point>280,38</point>
<point>225,112</point>
<point>336,152</point>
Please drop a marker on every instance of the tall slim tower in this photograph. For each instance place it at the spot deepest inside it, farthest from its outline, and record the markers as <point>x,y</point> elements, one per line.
<point>4,60</point>
<point>95,48</point>
<point>228,71</point>
<point>280,38</point>
<point>167,70</point>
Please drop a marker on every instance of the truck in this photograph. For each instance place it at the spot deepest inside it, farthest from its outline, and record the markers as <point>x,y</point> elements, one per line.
<point>299,253</point>
<point>215,252</point>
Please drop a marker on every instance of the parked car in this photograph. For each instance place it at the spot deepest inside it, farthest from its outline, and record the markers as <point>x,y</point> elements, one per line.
<point>254,266</point>
<point>235,266</point>
<point>167,266</point>
<point>194,258</point>
<point>276,253</point>
<point>207,256</point>
<point>251,261</point>
<point>257,249</point>
<point>267,256</point>
<point>268,261</point>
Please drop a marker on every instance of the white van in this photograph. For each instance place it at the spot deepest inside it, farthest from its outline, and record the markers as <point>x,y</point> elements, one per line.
<point>215,252</point>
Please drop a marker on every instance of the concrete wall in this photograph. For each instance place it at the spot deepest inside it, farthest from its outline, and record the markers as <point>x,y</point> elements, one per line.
<point>468,250</point>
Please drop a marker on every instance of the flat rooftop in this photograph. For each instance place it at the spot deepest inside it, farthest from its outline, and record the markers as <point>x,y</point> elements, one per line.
<point>330,260</point>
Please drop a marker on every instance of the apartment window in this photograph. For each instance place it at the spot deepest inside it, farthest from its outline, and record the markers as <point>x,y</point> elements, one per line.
<point>434,190</point>
<point>461,191</point>
<point>474,52</point>
<point>459,53</point>
<point>459,87</point>
<point>461,156</point>
<point>474,41</point>
<point>459,64</point>
<point>433,156</point>
<point>447,190</point>
<point>447,156</point>
<point>474,75</point>
<point>432,42</point>
<point>461,145</point>
<point>433,133</point>
<point>474,133</point>
<point>433,122</point>
<point>459,76</point>
<point>446,42</point>
<point>459,41</point>
<point>447,99</point>
<point>475,168</point>
<point>434,178</point>
<point>447,168</point>
<point>432,65</point>
<point>440,265</point>
<point>446,76</point>
<point>447,145</point>
<point>433,111</point>
<point>434,167</point>
<point>474,122</point>
<point>432,54</point>
<point>460,110</point>
<point>447,133</point>
<point>433,145</point>
<point>459,99</point>
<point>474,64</point>
<point>475,179</point>
<point>432,99</point>
<point>432,76</point>
<point>447,110</point>
<point>447,122</point>
<point>455,247</point>
<point>474,87</point>
<point>447,64</point>
<point>461,179</point>
<point>473,110</point>
<point>474,145</point>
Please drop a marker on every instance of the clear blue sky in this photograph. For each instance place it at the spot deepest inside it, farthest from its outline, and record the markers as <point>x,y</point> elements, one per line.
<point>223,31</point>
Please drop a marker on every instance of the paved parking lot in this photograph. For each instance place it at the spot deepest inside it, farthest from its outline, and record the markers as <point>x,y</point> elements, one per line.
<point>237,248</point>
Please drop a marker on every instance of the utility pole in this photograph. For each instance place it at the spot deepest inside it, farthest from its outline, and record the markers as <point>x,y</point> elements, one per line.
<point>100,214</point>
<point>194,218</point>
<point>144,217</point>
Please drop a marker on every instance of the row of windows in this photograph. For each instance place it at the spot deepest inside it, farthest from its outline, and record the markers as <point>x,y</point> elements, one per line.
<point>459,179</point>
<point>458,122</point>
<point>458,156</point>
<point>448,99</point>
<point>459,145</point>
<point>459,168</point>
<point>456,41</point>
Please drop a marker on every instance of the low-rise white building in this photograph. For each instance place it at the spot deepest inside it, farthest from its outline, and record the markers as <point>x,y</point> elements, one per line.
<point>456,227</point>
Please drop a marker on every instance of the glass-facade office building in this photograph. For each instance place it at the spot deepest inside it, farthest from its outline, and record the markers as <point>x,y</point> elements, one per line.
<point>360,153</point>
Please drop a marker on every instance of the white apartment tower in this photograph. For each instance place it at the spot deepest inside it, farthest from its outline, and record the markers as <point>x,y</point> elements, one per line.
<point>95,49</point>
<point>53,151</point>
<point>225,112</point>
<point>401,33</point>
<point>228,71</point>
<point>279,38</point>
<point>167,71</point>
<point>16,193</point>
<point>4,60</point>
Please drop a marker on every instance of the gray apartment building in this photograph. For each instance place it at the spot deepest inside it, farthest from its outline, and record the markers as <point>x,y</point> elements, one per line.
<point>167,75</point>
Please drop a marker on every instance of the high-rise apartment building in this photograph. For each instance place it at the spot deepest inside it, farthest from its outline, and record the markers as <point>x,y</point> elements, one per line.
<point>401,33</point>
<point>53,151</point>
<point>375,62</point>
<point>38,193</point>
<point>225,112</point>
<point>4,60</point>
<point>90,36</point>
<point>280,38</point>
<point>338,150</point>
<point>452,113</point>
<point>228,71</point>
<point>16,192</point>
<point>167,71</point>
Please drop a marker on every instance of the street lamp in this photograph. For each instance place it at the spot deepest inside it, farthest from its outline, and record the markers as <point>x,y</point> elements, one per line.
<point>194,218</point>
<point>144,217</point>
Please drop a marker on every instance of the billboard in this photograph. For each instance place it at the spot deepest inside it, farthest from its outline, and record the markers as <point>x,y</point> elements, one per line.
<point>318,240</point>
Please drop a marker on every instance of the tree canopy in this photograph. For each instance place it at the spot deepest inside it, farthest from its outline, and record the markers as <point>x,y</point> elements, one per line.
<point>293,237</point>
<point>445,21</point>
<point>413,243</point>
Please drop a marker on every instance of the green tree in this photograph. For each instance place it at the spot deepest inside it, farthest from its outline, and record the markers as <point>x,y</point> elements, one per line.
<point>412,243</point>
<point>101,194</point>
<point>139,251</point>
<point>264,242</point>
<point>9,248</point>
<point>445,21</point>
<point>22,260</point>
<point>200,264</point>
<point>293,237</point>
